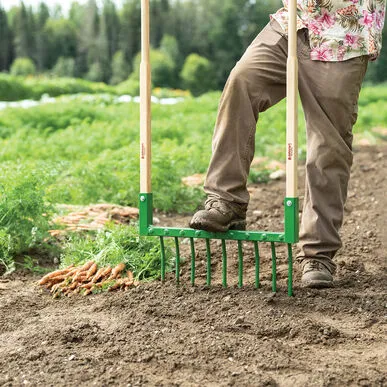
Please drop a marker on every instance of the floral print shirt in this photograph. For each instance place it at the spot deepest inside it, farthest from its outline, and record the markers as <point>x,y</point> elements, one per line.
<point>339,29</point>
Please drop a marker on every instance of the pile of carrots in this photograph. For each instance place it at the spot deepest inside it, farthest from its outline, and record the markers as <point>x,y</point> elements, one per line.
<point>87,279</point>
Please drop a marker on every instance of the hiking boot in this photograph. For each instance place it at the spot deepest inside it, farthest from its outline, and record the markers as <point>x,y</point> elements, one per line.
<point>220,216</point>
<point>315,275</point>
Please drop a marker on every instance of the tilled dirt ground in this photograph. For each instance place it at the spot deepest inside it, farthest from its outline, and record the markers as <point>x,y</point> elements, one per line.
<point>182,336</point>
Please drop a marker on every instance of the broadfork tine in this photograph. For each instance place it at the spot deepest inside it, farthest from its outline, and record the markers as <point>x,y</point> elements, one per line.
<point>240,264</point>
<point>162,250</point>
<point>290,270</point>
<point>224,264</point>
<point>193,267</point>
<point>208,248</point>
<point>257,263</point>
<point>177,259</point>
<point>273,268</point>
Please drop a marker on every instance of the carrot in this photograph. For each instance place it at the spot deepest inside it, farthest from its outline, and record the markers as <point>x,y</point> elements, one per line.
<point>77,275</point>
<point>87,286</point>
<point>55,280</point>
<point>87,266</point>
<point>117,270</point>
<point>87,292</point>
<point>130,275</point>
<point>72,272</point>
<point>69,288</point>
<point>122,283</point>
<point>82,277</point>
<point>98,275</point>
<point>106,273</point>
<point>116,286</point>
<point>92,270</point>
<point>83,269</point>
<point>56,287</point>
<point>129,283</point>
<point>54,274</point>
<point>73,286</point>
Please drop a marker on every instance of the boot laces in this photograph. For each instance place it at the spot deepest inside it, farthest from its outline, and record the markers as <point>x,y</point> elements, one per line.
<point>217,204</point>
<point>314,265</point>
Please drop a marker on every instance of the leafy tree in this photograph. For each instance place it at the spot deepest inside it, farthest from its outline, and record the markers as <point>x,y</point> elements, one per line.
<point>170,47</point>
<point>163,68</point>
<point>32,30</point>
<point>112,23</point>
<point>159,11</point>
<point>76,15</point>
<point>22,32</point>
<point>5,41</point>
<point>42,53</point>
<point>198,74</point>
<point>120,68</point>
<point>87,38</point>
<point>61,40</point>
<point>95,73</point>
<point>130,21</point>
<point>65,67</point>
<point>103,53</point>
<point>23,67</point>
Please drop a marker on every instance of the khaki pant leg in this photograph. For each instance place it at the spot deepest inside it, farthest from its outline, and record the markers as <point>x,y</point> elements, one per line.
<point>257,82</point>
<point>329,92</point>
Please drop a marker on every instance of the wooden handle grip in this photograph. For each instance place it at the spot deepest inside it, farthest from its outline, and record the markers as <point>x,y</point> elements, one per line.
<point>145,102</point>
<point>292,105</point>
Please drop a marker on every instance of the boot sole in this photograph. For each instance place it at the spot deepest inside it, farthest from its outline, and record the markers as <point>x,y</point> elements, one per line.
<point>317,284</point>
<point>202,225</point>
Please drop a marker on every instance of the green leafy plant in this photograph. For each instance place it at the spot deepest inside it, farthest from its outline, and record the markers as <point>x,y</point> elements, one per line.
<point>114,245</point>
<point>24,215</point>
<point>198,74</point>
<point>64,67</point>
<point>23,67</point>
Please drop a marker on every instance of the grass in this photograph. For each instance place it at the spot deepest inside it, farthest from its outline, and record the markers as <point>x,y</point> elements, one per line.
<point>84,149</point>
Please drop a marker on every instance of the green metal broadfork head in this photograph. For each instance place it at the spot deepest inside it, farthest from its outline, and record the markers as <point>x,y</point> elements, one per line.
<point>288,237</point>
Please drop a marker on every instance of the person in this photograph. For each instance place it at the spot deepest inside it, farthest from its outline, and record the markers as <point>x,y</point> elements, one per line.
<point>336,39</point>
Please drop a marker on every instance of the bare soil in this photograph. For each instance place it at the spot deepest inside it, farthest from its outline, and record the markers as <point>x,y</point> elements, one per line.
<point>168,335</point>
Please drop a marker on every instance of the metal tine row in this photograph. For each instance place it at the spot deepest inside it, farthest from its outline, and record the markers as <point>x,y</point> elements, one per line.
<point>224,262</point>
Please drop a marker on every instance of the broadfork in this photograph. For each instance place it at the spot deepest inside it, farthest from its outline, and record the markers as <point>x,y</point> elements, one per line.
<point>290,233</point>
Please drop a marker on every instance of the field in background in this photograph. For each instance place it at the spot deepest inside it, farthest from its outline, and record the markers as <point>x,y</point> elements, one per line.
<point>83,149</point>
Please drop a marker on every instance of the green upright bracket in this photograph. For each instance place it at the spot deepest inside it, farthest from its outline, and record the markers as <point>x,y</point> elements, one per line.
<point>146,213</point>
<point>291,220</point>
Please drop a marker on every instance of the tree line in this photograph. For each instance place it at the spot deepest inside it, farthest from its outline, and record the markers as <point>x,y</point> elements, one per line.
<point>195,42</point>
